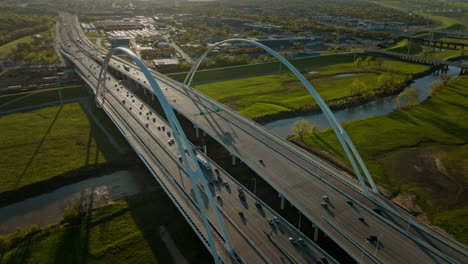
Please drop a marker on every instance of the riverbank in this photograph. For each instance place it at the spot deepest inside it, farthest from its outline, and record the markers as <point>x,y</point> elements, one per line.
<point>128,231</point>
<point>346,102</point>
<point>419,151</point>
<point>272,97</point>
<point>47,148</point>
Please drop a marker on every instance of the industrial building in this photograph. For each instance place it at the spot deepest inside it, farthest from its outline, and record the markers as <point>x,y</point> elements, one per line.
<point>119,41</point>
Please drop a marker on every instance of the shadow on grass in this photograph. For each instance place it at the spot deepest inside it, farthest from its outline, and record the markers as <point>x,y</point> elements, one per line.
<point>21,253</point>
<point>154,209</point>
<point>30,161</point>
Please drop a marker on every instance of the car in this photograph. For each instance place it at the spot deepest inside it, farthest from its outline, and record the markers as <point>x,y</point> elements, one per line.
<point>270,221</point>
<point>180,157</point>
<point>259,205</point>
<point>324,197</point>
<point>240,189</point>
<point>324,205</point>
<point>226,183</point>
<point>372,239</point>
<point>218,196</point>
<point>276,219</point>
<point>241,214</point>
<point>292,240</point>
<point>301,241</point>
<point>216,171</point>
<point>242,196</point>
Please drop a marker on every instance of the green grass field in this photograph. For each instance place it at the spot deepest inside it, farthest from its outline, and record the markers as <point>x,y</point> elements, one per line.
<point>41,144</point>
<point>93,36</point>
<point>126,232</point>
<point>430,142</point>
<point>7,48</point>
<point>243,71</point>
<point>270,94</point>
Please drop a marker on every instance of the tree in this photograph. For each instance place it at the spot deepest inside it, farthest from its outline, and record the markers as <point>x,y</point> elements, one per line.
<point>435,86</point>
<point>368,60</point>
<point>301,128</point>
<point>358,62</point>
<point>356,87</point>
<point>445,78</point>
<point>407,98</point>
<point>386,82</point>
<point>379,62</point>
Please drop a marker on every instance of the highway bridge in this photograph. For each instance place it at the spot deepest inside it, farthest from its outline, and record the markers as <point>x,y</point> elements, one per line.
<point>233,226</point>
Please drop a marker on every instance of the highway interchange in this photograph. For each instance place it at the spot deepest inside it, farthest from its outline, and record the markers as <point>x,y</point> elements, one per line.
<point>301,178</point>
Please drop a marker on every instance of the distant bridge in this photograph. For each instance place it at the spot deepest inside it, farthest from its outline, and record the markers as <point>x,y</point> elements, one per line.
<point>423,60</point>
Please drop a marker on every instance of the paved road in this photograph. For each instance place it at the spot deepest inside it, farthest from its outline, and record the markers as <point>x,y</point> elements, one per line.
<point>304,179</point>
<point>252,235</point>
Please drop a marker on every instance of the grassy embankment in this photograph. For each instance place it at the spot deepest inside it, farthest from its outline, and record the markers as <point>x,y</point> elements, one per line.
<point>39,145</point>
<point>243,71</point>
<point>260,96</point>
<point>421,150</point>
<point>125,232</point>
<point>425,51</point>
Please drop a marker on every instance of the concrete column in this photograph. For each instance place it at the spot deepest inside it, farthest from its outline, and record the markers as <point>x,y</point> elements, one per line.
<point>197,132</point>
<point>316,233</point>
<point>204,149</point>
<point>152,96</point>
<point>282,203</point>
<point>233,160</point>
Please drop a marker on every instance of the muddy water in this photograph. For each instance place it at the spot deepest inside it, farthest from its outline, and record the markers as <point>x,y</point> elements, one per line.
<point>48,208</point>
<point>380,106</point>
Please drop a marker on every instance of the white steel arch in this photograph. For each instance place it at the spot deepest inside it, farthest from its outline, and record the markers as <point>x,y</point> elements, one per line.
<point>183,144</point>
<point>348,146</point>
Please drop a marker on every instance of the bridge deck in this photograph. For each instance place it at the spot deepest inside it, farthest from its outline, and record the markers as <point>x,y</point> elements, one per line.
<point>303,179</point>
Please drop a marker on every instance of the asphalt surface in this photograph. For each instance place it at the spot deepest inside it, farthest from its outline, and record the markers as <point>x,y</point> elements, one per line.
<point>253,237</point>
<point>304,179</point>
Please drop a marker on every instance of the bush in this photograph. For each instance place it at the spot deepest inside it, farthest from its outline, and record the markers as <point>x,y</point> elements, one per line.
<point>4,245</point>
<point>435,86</point>
<point>71,215</point>
<point>33,229</point>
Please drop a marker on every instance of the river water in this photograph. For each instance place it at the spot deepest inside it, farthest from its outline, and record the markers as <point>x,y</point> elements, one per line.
<point>48,208</point>
<point>380,106</point>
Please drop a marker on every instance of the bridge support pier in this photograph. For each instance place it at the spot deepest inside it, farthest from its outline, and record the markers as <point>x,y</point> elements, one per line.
<point>282,202</point>
<point>316,233</point>
<point>197,132</point>
<point>234,161</point>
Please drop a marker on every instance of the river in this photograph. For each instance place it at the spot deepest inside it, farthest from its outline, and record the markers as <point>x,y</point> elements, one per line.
<point>48,208</point>
<point>380,106</point>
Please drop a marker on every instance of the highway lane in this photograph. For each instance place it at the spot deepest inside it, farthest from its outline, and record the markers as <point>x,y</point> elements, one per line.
<point>136,112</point>
<point>178,104</point>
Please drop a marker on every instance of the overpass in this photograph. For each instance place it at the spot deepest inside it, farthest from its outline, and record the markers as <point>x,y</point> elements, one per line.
<point>418,59</point>
<point>349,217</point>
<point>440,44</point>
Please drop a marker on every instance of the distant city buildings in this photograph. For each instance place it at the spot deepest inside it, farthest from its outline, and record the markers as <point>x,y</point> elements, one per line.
<point>362,24</point>
<point>108,25</point>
